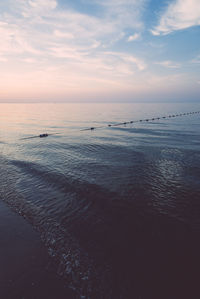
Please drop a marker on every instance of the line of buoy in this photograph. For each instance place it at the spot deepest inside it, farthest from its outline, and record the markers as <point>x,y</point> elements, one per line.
<point>141,120</point>
<point>118,124</point>
<point>39,136</point>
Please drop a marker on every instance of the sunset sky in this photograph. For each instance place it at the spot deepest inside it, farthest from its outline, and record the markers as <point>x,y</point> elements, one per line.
<point>99,50</point>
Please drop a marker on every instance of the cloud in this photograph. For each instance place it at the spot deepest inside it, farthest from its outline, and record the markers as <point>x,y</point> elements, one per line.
<point>43,4</point>
<point>196,60</point>
<point>39,18</point>
<point>32,8</point>
<point>180,14</point>
<point>14,40</point>
<point>169,64</point>
<point>121,61</point>
<point>47,49</point>
<point>43,28</point>
<point>62,34</point>
<point>122,14</point>
<point>3,59</point>
<point>52,50</point>
<point>29,60</point>
<point>133,37</point>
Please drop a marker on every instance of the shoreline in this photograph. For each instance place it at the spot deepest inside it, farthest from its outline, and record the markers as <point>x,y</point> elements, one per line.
<point>26,268</point>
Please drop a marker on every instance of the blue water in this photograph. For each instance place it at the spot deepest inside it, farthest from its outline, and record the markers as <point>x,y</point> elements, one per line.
<point>118,208</point>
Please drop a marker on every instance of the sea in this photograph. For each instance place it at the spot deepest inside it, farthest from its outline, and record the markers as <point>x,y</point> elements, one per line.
<point>117,207</point>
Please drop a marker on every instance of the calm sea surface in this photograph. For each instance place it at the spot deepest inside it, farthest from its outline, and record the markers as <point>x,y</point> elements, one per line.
<point>119,207</point>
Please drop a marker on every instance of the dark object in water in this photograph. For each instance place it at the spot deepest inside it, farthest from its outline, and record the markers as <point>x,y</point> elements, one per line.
<point>141,120</point>
<point>39,136</point>
<point>43,135</point>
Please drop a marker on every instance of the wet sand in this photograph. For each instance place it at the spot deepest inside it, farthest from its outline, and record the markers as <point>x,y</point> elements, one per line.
<point>26,270</point>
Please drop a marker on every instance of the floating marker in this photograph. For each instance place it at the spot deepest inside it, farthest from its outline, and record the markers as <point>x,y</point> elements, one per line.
<point>39,136</point>
<point>43,135</point>
<point>141,120</point>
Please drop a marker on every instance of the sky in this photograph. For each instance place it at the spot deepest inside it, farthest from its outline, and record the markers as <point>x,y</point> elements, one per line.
<point>99,50</point>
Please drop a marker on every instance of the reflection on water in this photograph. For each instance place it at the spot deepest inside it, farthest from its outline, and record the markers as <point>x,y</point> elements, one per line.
<point>118,208</point>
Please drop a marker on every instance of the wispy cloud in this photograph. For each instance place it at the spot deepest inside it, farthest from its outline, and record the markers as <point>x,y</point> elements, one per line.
<point>48,49</point>
<point>132,63</point>
<point>33,8</point>
<point>29,60</point>
<point>39,30</point>
<point>43,22</point>
<point>43,4</point>
<point>169,64</point>
<point>133,37</point>
<point>63,34</point>
<point>196,60</point>
<point>124,12</point>
<point>14,40</point>
<point>180,14</point>
<point>3,59</point>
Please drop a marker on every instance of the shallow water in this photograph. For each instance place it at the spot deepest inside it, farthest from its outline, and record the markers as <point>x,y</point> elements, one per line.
<point>118,207</point>
<point>26,269</point>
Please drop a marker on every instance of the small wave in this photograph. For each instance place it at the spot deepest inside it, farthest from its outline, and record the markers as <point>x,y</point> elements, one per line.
<point>73,262</point>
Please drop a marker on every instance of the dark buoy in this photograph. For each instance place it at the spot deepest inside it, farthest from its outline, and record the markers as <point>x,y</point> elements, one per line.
<point>136,121</point>
<point>43,135</point>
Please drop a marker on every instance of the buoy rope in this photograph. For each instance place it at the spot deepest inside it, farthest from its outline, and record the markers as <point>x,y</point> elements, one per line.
<point>120,124</point>
<point>141,120</point>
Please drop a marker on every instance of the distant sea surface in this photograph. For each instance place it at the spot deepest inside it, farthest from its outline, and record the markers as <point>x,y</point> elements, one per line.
<point>119,207</point>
